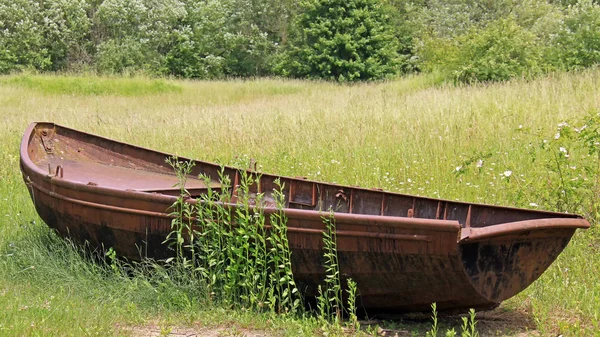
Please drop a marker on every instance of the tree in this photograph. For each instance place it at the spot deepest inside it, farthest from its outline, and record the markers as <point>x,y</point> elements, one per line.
<point>343,40</point>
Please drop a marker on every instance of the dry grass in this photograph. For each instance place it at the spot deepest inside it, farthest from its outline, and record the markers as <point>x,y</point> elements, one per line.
<point>405,136</point>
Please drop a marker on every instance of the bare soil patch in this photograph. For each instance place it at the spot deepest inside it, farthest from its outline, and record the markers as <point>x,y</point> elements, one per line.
<point>497,322</point>
<point>153,330</point>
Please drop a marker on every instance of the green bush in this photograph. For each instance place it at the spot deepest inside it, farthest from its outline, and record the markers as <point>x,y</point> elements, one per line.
<point>498,52</point>
<point>22,42</point>
<point>578,42</point>
<point>341,40</point>
<point>501,51</point>
<point>191,57</point>
<point>136,35</point>
<point>43,35</point>
<point>127,55</point>
<point>220,39</point>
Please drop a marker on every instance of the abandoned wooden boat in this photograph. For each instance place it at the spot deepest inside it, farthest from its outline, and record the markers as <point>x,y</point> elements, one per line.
<point>404,252</point>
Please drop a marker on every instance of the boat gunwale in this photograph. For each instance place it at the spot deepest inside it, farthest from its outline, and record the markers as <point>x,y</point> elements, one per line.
<point>475,234</point>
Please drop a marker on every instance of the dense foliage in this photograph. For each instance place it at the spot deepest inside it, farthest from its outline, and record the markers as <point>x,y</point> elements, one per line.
<point>461,40</point>
<point>342,40</point>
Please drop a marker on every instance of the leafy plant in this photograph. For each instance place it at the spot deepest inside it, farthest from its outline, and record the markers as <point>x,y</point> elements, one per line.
<point>182,214</point>
<point>433,332</point>
<point>501,51</point>
<point>578,41</point>
<point>285,292</point>
<point>352,291</point>
<point>469,326</point>
<point>330,302</point>
<point>241,255</point>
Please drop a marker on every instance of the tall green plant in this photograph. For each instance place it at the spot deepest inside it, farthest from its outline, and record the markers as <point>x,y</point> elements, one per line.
<point>182,214</point>
<point>241,255</point>
<point>574,187</point>
<point>469,326</point>
<point>248,263</point>
<point>285,295</point>
<point>329,301</point>
<point>214,236</point>
<point>352,291</point>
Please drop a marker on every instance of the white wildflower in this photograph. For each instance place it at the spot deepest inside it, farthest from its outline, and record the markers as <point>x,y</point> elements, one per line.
<point>507,173</point>
<point>581,129</point>
<point>479,163</point>
<point>458,168</point>
<point>533,204</point>
<point>557,135</point>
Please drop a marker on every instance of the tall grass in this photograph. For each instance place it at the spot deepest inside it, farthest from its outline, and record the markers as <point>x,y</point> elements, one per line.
<point>406,136</point>
<point>91,85</point>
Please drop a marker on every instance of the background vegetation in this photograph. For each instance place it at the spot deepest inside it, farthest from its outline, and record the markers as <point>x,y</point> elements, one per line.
<point>458,40</point>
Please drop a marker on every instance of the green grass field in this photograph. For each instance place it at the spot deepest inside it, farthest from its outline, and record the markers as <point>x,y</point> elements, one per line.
<point>493,144</point>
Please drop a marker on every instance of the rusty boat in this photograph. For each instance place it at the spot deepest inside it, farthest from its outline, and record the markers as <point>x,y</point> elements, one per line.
<point>404,251</point>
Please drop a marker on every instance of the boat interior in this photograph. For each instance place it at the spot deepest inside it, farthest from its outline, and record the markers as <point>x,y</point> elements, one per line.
<point>96,161</point>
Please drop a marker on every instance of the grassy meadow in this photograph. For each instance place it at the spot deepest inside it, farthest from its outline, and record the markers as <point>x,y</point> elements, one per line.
<point>518,143</point>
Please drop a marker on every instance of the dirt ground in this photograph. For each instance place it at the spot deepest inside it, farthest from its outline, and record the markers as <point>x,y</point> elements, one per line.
<point>156,331</point>
<point>498,322</point>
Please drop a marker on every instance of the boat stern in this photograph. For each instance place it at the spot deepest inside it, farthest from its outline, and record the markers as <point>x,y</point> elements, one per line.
<point>502,260</point>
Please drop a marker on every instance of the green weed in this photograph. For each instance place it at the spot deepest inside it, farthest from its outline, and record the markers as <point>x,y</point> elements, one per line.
<point>352,291</point>
<point>434,326</point>
<point>329,301</point>
<point>242,263</point>
<point>469,326</point>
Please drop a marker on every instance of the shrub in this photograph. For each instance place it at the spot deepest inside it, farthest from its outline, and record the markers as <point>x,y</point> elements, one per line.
<point>22,42</point>
<point>487,41</point>
<point>126,55</point>
<point>136,34</point>
<point>341,40</point>
<point>501,51</point>
<point>67,30</point>
<point>218,39</point>
<point>578,42</point>
<point>43,35</point>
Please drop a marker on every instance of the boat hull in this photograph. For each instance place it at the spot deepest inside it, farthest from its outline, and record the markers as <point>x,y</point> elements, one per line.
<point>400,263</point>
